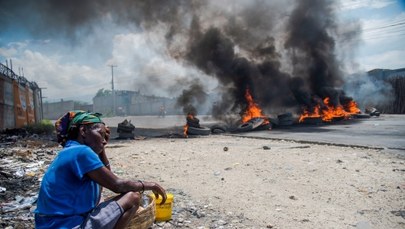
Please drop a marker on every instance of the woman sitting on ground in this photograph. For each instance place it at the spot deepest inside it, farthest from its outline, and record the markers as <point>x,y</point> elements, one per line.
<point>71,187</point>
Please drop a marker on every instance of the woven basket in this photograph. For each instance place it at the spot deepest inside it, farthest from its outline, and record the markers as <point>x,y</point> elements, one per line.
<point>144,217</point>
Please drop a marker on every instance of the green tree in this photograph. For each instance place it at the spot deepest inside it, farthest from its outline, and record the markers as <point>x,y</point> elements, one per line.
<point>103,92</point>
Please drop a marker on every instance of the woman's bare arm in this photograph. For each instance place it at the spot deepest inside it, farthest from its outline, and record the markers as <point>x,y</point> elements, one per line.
<point>107,179</point>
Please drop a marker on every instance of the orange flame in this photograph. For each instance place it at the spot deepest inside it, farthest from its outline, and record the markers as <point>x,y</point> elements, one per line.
<point>306,114</point>
<point>352,107</point>
<point>185,128</point>
<point>330,111</point>
<point>253,110</point>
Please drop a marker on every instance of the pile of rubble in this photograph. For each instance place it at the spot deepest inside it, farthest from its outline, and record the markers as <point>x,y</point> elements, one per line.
<point>126,130</point>
<point>23,160</point>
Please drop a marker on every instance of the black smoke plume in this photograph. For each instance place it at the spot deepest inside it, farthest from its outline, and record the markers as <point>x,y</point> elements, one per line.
<point>192,97</point>
<point>214,53</point>
<point>284,52</point>
<point>316,71</point>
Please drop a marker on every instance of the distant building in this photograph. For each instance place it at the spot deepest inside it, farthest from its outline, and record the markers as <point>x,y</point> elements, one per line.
<point>55,110</point>
<point>133,103</point>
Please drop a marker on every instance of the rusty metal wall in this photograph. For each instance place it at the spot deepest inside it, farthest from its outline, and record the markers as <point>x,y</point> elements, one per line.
<point>20,105</point>
<point>30,105</point>
<point>19,100</point>
<point>7,118</point>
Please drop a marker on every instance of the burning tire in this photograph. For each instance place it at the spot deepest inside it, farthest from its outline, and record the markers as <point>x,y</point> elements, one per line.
<point>267,126</point>
<point>218,129</point>
<point>361,116</point>
<point>285,119</point>
<point>198,131</point>
<point>250,125</point>
<point>245,127</point>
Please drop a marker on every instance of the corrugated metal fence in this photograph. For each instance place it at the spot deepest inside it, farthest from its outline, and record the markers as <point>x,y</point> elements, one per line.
<point>20,100</point>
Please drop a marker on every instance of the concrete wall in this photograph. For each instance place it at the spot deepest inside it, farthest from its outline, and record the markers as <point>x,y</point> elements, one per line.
<point>134,103</point>
<point>103,105</point>
<point>150,105</point>
<point>55,110</point>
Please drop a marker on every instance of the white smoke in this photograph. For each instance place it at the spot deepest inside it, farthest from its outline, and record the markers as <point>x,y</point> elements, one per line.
<point>145,64</point>
<point>368,91</point>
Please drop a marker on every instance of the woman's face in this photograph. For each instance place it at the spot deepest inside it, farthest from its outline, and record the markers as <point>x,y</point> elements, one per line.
<point>94,136</point>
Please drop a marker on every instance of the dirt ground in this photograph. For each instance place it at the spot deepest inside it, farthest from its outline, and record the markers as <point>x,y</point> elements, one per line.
<point>224,181</point>
<point>233,182</point>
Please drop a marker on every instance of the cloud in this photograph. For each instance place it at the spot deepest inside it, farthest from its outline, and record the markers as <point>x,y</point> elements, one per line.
<point>371,4</point>
<point>144,63</point>
<point>61,80</point>
<point>380,34</point>
<point>391,59</point>
<point>12,49</point>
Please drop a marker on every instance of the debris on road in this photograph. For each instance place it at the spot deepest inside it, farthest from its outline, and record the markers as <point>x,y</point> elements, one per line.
<point>126,130</point>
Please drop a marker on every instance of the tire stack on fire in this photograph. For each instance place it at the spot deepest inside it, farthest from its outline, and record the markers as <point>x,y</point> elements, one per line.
<point>194,127</point>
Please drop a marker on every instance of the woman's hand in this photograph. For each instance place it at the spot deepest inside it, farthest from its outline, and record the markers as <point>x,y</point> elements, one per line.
<point>156,189</point>
<point>107,133</point>
<point>102,155</point>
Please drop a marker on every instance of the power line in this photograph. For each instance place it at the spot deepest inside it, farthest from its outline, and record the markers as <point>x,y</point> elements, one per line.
<point>392,31</point>
<point>384,36</point>
<point>360,4</point>
<point>385,27</point>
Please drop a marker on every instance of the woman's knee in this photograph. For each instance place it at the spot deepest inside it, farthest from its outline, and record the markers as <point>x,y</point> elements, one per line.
<point>129,200</point>
<point>134,197</point>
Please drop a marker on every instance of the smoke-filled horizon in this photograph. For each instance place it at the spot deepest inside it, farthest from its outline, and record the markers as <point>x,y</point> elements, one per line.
<point>286,53</point>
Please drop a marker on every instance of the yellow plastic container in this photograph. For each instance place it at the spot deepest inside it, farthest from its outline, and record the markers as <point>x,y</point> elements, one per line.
<point>164,211</point>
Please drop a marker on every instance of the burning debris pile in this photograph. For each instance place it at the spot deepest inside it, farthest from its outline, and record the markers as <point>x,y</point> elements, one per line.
<point>193,126</point>
<point>253,118</point>
<point>311,86</point>
<point>327,112</point>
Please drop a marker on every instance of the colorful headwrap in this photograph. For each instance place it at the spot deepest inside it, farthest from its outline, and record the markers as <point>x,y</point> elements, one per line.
<point>73,119</point>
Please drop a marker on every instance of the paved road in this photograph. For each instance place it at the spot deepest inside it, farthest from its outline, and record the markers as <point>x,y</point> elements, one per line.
<point>386,131</point>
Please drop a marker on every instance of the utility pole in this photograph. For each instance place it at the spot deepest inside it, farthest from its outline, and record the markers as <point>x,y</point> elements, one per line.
<point>41,99</point>
<point>112,87</point>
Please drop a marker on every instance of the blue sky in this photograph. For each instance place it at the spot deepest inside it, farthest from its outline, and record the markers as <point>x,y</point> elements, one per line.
<point>75,67</point>
<point>383,25</point>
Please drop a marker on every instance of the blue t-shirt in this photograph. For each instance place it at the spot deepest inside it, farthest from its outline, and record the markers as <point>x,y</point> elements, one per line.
<point>66,193</point>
